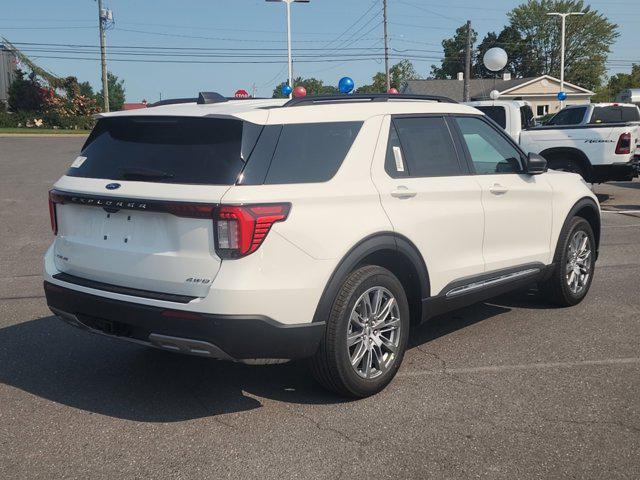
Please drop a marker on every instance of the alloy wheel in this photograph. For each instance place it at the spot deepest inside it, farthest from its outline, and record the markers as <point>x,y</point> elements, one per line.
<point>578,262</point>
<point>373,334</point>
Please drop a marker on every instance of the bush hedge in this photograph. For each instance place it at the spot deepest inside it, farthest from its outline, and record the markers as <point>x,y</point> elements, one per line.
<point>49,120</point>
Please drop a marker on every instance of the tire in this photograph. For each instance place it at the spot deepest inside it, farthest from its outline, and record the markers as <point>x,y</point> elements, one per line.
<point>560,288</point>
<point>332,365</point>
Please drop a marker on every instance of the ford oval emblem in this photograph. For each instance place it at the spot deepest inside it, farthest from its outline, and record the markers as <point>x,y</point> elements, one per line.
<point>112,186</point>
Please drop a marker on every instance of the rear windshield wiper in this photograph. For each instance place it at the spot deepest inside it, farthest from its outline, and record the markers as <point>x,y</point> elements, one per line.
<point>133,172</point>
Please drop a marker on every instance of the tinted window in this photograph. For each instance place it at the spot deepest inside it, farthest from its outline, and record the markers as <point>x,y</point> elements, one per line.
<point>394,163</point>
<point>568,116</point>
<point>526,117</point>
<point>168,150</point>
<point>427,148</point>
<point>490,151</point>
<point>311,152</point>
<point>615,114</point>
<point>497,114</point>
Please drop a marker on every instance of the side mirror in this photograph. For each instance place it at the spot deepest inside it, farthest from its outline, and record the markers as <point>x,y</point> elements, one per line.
<point>536,164</point>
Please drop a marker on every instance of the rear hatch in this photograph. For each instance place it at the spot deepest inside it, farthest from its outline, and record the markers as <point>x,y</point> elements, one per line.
<point>135,208</point>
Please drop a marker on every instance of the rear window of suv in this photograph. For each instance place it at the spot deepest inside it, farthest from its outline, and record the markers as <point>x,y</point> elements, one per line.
<point>186,150</point>
<point>299,153</point>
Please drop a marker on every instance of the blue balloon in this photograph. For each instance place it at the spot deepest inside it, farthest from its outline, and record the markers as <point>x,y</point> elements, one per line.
<point>562,96</point>
<point>286,89</point>
<point>345,85</point>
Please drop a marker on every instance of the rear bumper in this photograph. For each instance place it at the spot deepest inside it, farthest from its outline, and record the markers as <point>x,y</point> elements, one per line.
<point>229,337</point>
<point>620,172</point>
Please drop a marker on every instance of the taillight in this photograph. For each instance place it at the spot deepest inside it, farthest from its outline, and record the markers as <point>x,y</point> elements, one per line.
<point>624,144</point>
<point>52,213</point>
<point>240,230</point>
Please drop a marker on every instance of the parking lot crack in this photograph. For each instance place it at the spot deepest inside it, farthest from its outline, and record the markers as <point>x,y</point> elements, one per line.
<point>326,428</point>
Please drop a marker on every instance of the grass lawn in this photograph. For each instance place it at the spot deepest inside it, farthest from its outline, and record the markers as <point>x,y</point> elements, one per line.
<point>48,131</point>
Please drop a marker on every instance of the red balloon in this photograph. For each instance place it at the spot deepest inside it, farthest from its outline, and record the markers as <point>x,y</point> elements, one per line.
<point>299,92</point>
<point>392,90</point>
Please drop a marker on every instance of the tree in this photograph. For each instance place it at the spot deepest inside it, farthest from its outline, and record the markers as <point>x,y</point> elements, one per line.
<point>25,93</point>
<point>86,89</point>
<point>588,40</point>
<point>617,84</point>
<point>454,54</point>
<point>517,48</point>
<point>116,93</point>
<point>400,73</point>
<point>313,86</point>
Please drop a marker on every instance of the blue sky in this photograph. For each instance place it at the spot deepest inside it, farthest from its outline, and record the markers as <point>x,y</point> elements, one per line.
<point>347,30</point>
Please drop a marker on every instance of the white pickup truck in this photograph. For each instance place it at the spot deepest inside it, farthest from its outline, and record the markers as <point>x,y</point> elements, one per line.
<point>599,141</point>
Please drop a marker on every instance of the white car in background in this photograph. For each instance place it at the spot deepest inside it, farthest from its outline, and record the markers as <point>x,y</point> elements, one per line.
<point>598,141</point>
<point>320,228</point>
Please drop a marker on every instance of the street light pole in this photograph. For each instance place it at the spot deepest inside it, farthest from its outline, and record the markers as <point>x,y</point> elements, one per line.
<point>563,16</point>
<point>289,56</point>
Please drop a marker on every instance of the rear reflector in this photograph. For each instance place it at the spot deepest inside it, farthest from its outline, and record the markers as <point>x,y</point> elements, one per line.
<point>624,144</point>
<point>240,230</point>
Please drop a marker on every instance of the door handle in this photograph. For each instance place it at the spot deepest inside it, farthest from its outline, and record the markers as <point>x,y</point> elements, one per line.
<point>403,192</point>
<point>498,189</point>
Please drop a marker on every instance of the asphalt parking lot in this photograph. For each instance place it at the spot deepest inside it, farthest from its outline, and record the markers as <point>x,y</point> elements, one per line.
<point>509,389</point>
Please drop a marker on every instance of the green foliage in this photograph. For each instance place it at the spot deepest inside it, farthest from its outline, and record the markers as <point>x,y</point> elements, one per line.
<point>37,120</point>
<point>25,93</point>
<point>588,40</point>
<point>454,54</point>
<point>532,42</point>
<point>86,89</point>
<point>511,41</point>
<point>313,86</point>
<point>116,93</point>
<point>617,84</point>
<point>400,73</point>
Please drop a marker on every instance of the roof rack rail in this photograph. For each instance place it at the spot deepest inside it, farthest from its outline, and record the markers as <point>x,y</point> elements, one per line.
<point>172,101</point>
<point>364,97</point>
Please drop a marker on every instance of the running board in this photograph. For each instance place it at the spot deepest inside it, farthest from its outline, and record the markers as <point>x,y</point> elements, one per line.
<point>472,287</point>
<point>470,290</point>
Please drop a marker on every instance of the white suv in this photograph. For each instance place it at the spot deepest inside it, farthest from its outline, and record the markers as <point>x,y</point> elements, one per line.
<point>321,228</point>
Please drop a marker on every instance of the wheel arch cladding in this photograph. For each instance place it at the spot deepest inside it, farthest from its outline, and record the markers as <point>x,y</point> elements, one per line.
<point>588,209</point>
<point>567,153</point>
<point>388,250</point>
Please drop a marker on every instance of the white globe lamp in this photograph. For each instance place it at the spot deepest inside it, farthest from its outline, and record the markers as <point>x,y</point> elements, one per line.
<point>494,95</point>
<point>495,59</point>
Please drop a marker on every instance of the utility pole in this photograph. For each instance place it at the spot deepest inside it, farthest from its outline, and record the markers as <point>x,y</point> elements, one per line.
<point>102,19</point>
<point>563,16</point>
<point>467,65</point>
<point>386,44</point>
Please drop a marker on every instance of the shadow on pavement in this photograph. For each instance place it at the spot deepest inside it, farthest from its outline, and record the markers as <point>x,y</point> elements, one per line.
<point>52,360</point>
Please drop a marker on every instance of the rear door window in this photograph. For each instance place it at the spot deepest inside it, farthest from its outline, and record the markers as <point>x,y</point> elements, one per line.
<point>568,116</point>
<point>421,147</point>
<point>186,150</point>
<point>311,152</point>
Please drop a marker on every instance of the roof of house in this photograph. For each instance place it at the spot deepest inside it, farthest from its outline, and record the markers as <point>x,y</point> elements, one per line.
<point>479,88</point>
<point>134,106</point>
